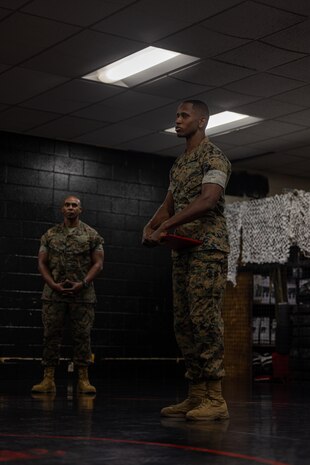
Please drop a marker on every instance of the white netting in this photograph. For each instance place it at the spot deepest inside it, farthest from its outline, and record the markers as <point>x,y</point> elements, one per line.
<point>268,227</point>
<point>266,230</point>
<point>300,221</point>
<point>233,219</point>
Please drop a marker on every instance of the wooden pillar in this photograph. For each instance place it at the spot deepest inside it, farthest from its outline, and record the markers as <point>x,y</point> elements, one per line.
<point>237,315</point>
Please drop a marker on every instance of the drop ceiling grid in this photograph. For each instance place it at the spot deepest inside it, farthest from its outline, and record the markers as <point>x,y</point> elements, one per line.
<point>253,59</point>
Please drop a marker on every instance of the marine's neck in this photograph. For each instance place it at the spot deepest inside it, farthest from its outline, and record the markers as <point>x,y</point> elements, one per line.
<point>71,223</point>
<point>194,141</point>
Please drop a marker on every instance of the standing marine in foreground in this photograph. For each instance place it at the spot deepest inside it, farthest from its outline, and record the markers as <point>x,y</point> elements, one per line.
<point>194,207</point>
<point>70,257</point>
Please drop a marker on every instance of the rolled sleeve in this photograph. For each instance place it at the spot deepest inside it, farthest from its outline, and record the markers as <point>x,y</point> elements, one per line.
<point>215,177</point>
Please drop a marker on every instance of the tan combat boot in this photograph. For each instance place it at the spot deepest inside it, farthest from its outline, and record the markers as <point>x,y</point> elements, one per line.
<point>84,386</point>
<point>213,406</point>
<point>196,393</point>
<point>48,382</point>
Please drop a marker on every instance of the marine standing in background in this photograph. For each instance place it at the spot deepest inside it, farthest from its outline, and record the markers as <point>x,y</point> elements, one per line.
<point>194,207</point>
<point>70,257</point>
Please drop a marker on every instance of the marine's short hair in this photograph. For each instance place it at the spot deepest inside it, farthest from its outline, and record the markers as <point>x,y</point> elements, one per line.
<point>72,197</point>
<point>200,105</point>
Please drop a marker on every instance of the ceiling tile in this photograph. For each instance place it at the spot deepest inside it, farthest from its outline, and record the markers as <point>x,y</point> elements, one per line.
<point>111,135</point>
<point>252,20</point>
<point>21,119</point>
<point>272,160</point>
<point>20,84</point>
<point>296,38</point>
<point>298,69</point>
<point>123,106</point>
<point>302,6</point>
<point>300,96</point>
<point>72,96</point>
<point>48,101</point>
<point>299,117</point>
<point>212,73</point>
<point>66,128</point>
<point>258,56</point>
<point>234,153</point>
<point>258,148</point>
<point>160,119</point>
<point>154,142</point>
<point>34,35</point>
<point>59,42</point>
<point>149,21</point>
<point>223,99</point>
<point>141,23</point>
<point>268,108</point>
<point>75,11</point>
<point>263,85</point>
<point>258,132</point>
<point>298,139</point>
<point>3,68</point>
<point>13,4</point>
<point>302,152</point>
<point>198,41</point>
<point>171,87</point>
<point>83,53</point>
<point>4,13</point>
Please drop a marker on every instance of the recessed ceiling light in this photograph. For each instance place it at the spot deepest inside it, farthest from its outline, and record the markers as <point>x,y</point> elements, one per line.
<point>146,64</point>
<point>226,121</point>
<point>224,117</point>
<point>135,63</point>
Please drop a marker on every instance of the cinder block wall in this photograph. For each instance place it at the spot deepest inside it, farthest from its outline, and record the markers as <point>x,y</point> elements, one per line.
<point>119,192</point>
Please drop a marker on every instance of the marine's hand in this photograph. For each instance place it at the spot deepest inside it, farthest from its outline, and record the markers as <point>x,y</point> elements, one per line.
<point>59,287</point>
<point>153,237</point>
<point>68,287</point>
<point>72,287</point>
<point>146,237</point>
<point>157,236</point>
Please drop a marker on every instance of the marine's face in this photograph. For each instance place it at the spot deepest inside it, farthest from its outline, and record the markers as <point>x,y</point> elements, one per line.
<point>188,120</point>
<point>71,208</point>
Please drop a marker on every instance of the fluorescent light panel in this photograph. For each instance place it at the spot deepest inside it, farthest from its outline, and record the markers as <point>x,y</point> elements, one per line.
<point>135,63</point>
<point>225,121</point>
<point>146,64</point>
<point>224,118</point>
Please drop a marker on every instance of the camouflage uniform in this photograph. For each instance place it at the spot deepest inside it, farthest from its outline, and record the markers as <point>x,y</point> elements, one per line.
<point>69,258</point>
<point>199,273</point>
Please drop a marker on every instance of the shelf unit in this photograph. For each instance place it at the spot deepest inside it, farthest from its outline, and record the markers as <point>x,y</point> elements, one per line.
<point>281,317</point>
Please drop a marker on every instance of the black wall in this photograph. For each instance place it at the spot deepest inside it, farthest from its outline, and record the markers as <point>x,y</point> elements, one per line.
<point>119,193</point>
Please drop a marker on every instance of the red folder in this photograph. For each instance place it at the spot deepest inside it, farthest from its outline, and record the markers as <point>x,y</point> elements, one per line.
<point>179,242</point>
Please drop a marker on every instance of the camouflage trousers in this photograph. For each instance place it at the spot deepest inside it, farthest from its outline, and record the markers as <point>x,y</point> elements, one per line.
<point>199,282</point>
<point>55,316</point>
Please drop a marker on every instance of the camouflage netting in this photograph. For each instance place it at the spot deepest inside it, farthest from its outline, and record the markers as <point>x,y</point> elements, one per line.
<point>267,228</point>
<point>300,221</point>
